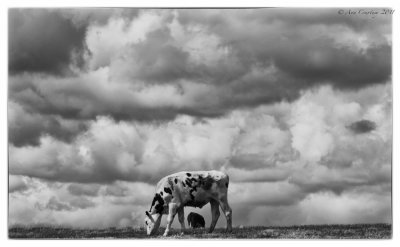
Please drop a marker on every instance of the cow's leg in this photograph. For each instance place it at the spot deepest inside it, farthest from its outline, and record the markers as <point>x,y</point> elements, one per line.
<point>181,218</point>
<point>228,213</point>
<point>170,218</point>
<point>214,214</point>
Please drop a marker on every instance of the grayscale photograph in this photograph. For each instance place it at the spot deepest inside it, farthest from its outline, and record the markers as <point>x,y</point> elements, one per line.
<point>200,123</point>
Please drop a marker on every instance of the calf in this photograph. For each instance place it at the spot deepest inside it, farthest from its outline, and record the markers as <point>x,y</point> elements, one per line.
<point>195,220</point>
<point>193,189</point>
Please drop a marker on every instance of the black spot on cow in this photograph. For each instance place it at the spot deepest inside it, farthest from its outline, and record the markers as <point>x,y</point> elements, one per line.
<point>183,184</point>
<point>226,185</point>
<point>193,180</point>
<point>161,193</point>
<point>160,206</point>
<point>188,174</point>
<point>167,190</point>
<point>176,180</point>
<point>207,183</point>
<point>190,193</point>
<point>188,182</point>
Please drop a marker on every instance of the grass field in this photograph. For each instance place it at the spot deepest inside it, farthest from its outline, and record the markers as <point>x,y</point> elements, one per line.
<point>370,231</point>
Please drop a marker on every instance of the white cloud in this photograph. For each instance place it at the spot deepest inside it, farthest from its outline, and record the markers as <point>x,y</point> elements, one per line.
<point>107,42</point>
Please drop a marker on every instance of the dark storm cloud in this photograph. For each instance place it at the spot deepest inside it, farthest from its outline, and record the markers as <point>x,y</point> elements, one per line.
<point>42,40</point>
<point>341,67</point>
<point>22,133</point>
<point>26,128</point>
<point>362,126</point>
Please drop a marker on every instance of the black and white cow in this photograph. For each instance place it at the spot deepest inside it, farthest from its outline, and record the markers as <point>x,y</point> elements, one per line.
<point>193,189</point>
<point>195,220</point>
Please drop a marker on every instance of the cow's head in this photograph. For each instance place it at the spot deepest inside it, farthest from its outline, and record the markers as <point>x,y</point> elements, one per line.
<point>153,216</point>
<point>152,222</point>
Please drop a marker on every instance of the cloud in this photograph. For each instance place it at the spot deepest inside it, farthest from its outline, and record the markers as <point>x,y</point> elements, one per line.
<point>26,128</point>
<point>51,203</point>
<point>84,189</point>
<point>55,204</point>
<point>82,203</point>
<point>107,41</point>
<point>115,190</point>
<point>274,194</point>
<point>85,17</point>
<point>362,126</point>
<point>343,209</point>
<point>16,183</point>
<point>41,40</point>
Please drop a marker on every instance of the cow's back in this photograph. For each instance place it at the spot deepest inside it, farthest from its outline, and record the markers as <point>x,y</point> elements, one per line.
<point>194,188</point>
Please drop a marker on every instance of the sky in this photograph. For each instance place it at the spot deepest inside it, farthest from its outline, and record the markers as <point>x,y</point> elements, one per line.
<point>295,105</point>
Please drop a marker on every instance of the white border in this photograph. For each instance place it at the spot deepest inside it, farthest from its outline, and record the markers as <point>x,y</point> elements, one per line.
<point>186,3</point>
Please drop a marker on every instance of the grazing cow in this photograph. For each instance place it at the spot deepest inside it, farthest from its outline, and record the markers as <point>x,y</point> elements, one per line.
<point>193,189</point>
<point>195,220</point>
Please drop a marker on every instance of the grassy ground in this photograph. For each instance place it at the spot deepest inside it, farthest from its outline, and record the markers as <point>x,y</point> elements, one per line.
<point>371,231</point>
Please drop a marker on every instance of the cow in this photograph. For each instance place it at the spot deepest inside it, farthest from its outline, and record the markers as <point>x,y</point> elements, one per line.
<point>192,189</point>
<point>195,220</point>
